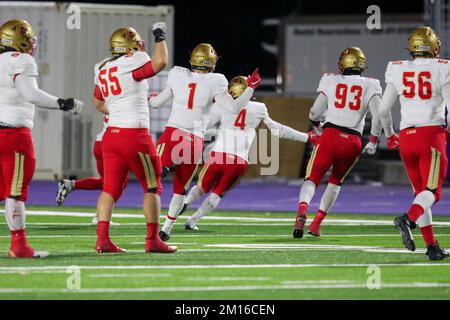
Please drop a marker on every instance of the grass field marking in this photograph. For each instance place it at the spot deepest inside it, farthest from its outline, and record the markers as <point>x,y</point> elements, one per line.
<point>228,288</point>
<point>130,275</point>
<point>230,266</point>
<point>228,278</point>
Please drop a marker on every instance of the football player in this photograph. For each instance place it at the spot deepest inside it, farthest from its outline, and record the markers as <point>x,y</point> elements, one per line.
<point>229,157</point>
<point>19,96</point>
<point>193,92</point>
<point>121,92</point>
<point>422,85</point>
<point>66,186</point>
<point>346,97</point>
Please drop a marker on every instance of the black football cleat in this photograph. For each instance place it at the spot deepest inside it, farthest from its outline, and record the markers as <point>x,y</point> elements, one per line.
<point>299,226</point>
<point>435,253</point>
<point>403,225</point>
<point>165,172</point>
<point>185,207</point>
<point>164,236</point>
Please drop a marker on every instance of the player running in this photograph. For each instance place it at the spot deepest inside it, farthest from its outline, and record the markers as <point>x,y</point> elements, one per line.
<point>66,186</point>
<point>346,97</point>
<point>121,91</point>
<point>422,85</point>
<point>229,157</point>
<point>19,96</point>
<point>193,92</point>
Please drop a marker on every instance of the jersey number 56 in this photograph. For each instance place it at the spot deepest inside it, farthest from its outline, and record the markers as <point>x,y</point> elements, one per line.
<point>423,85</point>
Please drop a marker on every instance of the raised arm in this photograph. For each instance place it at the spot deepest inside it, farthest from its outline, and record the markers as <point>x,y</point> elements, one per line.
<point>226,101</point>
<point>29,90</point>
<point>157,100</point>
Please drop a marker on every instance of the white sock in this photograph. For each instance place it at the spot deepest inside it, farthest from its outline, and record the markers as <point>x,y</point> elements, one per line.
<point>307,191</point>
<point>425,199</point>
<point>15,214</point>
<point>195,194</point>
<point>209,204</point>
<point>329,197</point>
<point>175,206</point>
<point>426,219</point>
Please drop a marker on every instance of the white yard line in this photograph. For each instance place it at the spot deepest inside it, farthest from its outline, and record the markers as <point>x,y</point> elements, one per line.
<point>130,275</point>
<point>231,218</point>
<point>228,288</point>
<point>228,266</point>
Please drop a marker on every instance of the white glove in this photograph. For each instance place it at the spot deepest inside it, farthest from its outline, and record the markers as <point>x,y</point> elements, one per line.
<point>78,106</point>
<point>160,25</point>
<point>371,146</point>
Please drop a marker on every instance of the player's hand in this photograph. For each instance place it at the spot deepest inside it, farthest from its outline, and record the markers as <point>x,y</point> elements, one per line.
<point>71,104</point>
<point>313,136</point>
<point>152,95</point>
<point>371,146</point>
<point>254,80</point>
<point>159,31</point>
<point>393,142</point>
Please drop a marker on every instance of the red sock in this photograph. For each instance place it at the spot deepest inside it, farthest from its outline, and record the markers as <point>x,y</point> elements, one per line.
<point>415,212</point>
<point>18,239</point>
<point>89,184</point>
<point>302,208</point>
<point>319,217</point>
<point>152,230</point>
<point>103,231</point>
<point>428,235</point>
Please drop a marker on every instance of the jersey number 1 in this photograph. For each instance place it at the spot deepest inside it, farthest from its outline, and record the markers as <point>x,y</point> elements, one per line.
<point>112,83</point>
<point>192,87</point>
<point>240,120</point>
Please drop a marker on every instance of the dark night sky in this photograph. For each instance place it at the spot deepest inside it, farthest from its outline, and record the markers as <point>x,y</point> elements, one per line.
<point>235,27</point>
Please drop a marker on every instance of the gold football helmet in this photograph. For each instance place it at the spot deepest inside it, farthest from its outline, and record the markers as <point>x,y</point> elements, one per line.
<point>18,35</point>
<point>353,58</point>
<point>126,40</point>
<point>423,41</point>
<point>203,58</point>
<point>237,85</point>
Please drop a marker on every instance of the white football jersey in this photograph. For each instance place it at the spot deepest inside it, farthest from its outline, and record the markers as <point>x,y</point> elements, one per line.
<point>126,98</point>
<point>348,98</point>
<point>105,126</point>
<point>237,131</point>
<point>14,109</point>
<point>419,85</point>
<point>193,95</point>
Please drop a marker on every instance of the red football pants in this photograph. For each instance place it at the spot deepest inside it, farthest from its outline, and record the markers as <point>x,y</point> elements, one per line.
<point>221,172</point>
<point>423,151</point>
<point>334,148</point>
<point>95,183</point>
<point>17,163</point>
<point>126,149</point>
<point>184,151</point>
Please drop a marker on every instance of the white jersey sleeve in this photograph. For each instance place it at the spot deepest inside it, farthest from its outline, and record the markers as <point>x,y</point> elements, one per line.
<point>15,110</point>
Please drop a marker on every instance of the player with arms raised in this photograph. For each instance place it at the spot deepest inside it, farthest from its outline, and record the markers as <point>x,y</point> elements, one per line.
<point>422,85</point>
<point>19,96</point>
<point>193,92</point>
<point>347,97</point>
<point>228,160</point>
<point>121,90</point>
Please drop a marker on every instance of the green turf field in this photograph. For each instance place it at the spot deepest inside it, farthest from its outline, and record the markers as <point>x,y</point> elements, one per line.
<point>235,255</point>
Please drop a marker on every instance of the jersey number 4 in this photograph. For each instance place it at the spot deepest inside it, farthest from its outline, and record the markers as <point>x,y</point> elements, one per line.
<point>240,120</point>
<point>111,82</point>
<point>424,85</point>
<point>341,96</point>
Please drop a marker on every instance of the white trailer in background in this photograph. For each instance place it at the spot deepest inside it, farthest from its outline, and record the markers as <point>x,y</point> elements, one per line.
<point>66,57</point>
